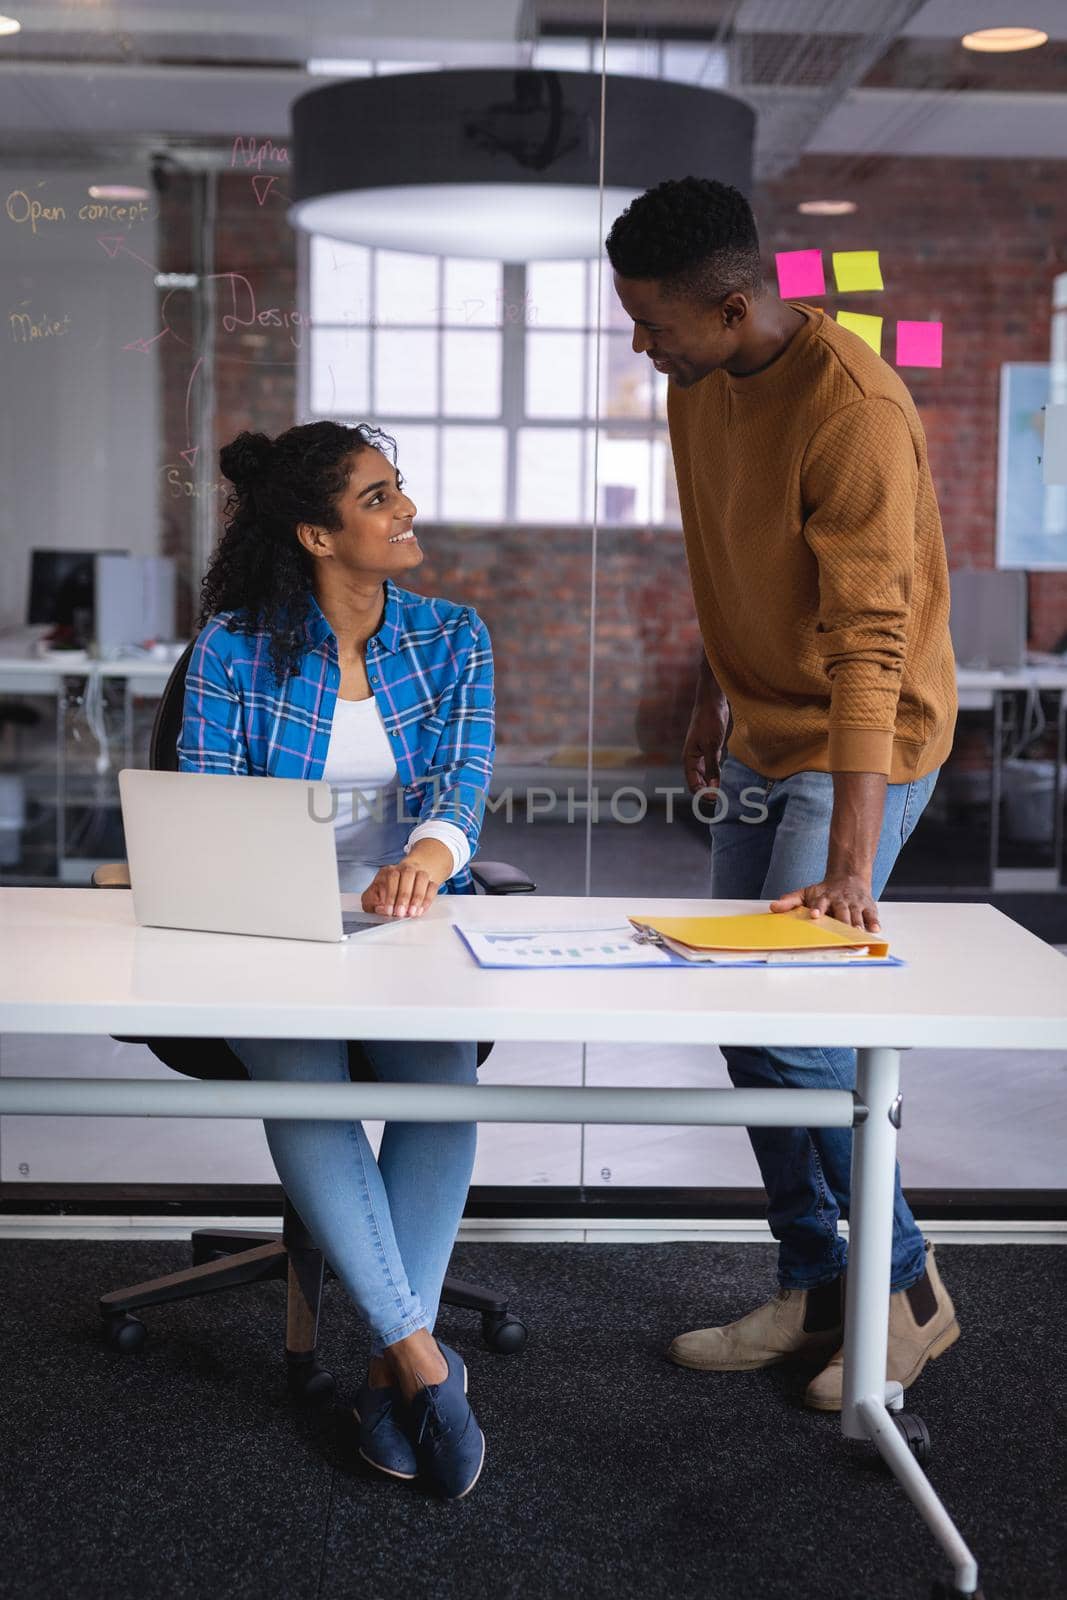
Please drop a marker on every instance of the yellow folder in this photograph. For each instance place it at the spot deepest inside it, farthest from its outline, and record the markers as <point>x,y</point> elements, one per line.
<point>765,930</point>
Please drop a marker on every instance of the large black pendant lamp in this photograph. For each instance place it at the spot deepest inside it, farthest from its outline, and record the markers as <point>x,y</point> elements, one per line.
<point>501,164</point>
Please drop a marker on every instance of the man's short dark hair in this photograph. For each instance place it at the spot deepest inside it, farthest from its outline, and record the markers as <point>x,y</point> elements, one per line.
<point>696,238</point>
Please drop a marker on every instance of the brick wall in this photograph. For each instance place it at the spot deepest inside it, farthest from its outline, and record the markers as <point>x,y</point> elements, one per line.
<point>977,243</point>
<point>532,586</point>
<point>974,242</point>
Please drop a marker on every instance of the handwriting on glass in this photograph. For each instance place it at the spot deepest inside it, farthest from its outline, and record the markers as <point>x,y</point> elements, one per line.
<point>22,208</point>
<point>180,488</point>
<point>470,310</point>
<point>253,152</point>
<point>29,329</point>
<point>245,313</point>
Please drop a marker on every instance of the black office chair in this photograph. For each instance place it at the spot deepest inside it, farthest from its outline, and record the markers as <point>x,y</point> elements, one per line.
<point>225,1258</point>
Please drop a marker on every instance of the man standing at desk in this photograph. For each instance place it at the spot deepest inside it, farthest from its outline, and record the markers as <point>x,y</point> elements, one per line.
<point>818,569</point>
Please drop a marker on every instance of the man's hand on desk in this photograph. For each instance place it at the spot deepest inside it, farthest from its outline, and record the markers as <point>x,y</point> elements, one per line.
<point>855,828</point>
<point>846,896</point>
<point>406,888</point>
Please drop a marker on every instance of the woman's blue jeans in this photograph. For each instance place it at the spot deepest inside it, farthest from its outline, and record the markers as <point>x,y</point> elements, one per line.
<point>386,1227</point>
<point>806,1171</point>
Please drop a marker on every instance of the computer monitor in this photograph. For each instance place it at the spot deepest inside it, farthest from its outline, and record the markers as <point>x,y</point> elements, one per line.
<point>63,589</point>
<point>988,619</point>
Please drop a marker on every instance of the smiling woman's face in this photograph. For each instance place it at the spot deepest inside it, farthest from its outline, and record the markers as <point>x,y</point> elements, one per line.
<point>376,538</point>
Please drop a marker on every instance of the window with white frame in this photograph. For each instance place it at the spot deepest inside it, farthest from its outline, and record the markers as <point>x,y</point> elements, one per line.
<point>486,374</point>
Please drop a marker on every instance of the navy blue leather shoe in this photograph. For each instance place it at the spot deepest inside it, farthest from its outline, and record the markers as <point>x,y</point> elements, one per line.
<point>450,1444</point>
<point>382,1439</point>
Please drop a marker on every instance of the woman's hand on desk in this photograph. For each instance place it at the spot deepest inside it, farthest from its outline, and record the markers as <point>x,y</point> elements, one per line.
<point>407,887</point>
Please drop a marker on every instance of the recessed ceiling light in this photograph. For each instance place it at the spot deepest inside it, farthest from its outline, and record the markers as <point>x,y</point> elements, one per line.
<point>1000,40</point>
<point>827,208</point>
<point>118,191</point>
<point>9,25</point>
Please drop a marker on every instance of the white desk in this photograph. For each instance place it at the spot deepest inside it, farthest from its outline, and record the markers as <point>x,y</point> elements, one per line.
<point>74,961</point>
<point>977,686</point>
<point>984,690</point>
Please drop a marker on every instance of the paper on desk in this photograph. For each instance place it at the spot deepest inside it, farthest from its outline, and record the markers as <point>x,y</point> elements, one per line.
<point>847,955</point>
<point>603,945</point>
<point>616,945</point>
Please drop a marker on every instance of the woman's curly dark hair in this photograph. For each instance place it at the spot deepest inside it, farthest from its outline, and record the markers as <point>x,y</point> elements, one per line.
<point>260,571</point>
<point>695,237</point>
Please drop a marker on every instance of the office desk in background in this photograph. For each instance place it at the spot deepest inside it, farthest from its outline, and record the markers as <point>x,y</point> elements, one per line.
<point>74,961</point>
<point>51,677</point>
<point>981,689</point>
<point>975,857</point>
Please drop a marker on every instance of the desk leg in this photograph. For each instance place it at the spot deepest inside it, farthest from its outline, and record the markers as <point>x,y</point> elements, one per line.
<point>874,1154</point>
<point>995,787</point>
<point>1057,789</point>
<point>127,724</point>
<point>61,776</point>
<point>865,1413</point>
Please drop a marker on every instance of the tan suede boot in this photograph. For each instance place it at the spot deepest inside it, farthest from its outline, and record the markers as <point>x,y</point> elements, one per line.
<point>797,1322</point>
<point>922,1326</point>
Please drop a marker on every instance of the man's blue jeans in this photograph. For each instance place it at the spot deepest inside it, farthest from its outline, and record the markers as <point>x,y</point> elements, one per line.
<point>386,1227</point>
<point>806,1171</point>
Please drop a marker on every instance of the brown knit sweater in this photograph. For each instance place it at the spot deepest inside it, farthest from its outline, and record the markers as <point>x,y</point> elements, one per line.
<point>817,560</point>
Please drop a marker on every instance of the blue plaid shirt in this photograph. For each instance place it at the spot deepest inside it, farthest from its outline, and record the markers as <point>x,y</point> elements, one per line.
<point>430,667</point>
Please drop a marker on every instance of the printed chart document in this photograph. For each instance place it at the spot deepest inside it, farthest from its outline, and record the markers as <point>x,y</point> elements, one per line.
<point>606,945</point>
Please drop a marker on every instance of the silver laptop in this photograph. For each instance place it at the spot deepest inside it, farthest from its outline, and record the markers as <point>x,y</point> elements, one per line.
<point>231,854</point>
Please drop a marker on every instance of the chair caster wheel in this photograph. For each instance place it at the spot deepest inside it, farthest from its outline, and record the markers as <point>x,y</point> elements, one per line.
<point>915,1434</point>
<point>309,1384</point>
<point>506,1335</point>
<point>125,1333</point>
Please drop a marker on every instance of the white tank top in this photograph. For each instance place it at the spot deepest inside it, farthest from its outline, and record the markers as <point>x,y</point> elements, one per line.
<point>370,827</point>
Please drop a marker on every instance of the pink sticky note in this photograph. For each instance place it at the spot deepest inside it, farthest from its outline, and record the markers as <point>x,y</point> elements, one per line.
<point>919,344</point>
<point>800,273</point>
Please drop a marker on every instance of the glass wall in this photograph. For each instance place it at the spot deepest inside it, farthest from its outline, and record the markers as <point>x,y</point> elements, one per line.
<point>160,301</point>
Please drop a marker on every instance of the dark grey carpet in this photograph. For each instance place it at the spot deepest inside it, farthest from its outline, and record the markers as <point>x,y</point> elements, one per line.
<point>184,1472</point>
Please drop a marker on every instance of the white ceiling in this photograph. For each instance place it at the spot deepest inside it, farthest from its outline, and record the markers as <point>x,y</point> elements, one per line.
<point>911,123</point>
<point>333,22</point>
<point>86,74</point>
<point>951,19</point>
<point>937,19</point>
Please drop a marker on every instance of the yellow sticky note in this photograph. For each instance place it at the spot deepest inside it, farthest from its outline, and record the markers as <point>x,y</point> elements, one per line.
<point>868,328</point>
<point>857,269</point>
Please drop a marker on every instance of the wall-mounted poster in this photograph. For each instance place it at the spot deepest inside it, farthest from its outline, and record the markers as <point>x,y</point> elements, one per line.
<point>1031,515</point>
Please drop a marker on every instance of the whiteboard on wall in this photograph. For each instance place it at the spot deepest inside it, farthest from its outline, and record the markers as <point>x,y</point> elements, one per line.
<point>1031,515</point>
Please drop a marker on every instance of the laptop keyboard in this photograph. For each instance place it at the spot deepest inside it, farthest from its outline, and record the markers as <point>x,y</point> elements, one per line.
<point>360,921</point>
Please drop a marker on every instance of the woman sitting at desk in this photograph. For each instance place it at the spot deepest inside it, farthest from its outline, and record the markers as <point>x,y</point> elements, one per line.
<point>313,663</point>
